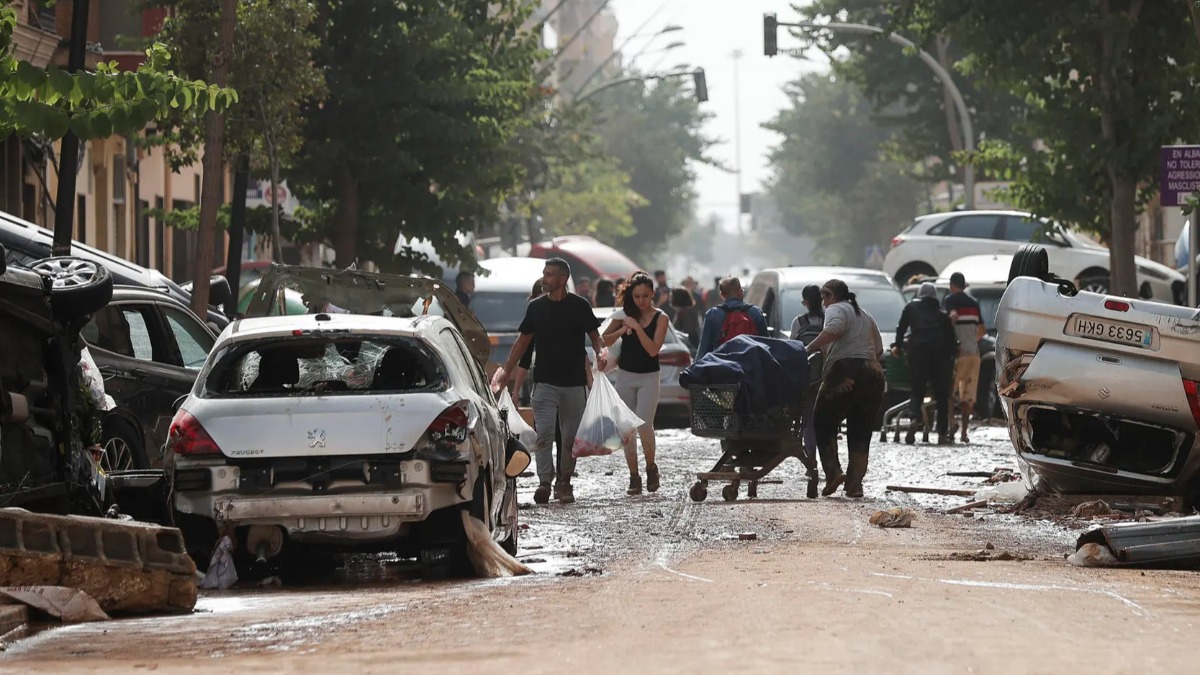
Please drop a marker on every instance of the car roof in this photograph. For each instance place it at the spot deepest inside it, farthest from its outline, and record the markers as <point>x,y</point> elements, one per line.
<point>976,212</point>
<point>124,292</point>
<point>979,270</point>
<point>790,277</point>
<point>275,326</point>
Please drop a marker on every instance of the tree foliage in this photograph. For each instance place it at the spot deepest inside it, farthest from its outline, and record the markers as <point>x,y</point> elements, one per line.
<point>50,101</point>
<point>656,133</point>
<point>906,95</point>
<point>830,177</point>
<point>1107,82</point>
<point>415,136</point>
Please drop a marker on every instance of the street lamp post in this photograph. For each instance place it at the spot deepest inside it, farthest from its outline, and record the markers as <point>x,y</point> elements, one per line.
<point>770,23</point>
<point>698,78</point>
<point>737,140</point>
<point>600,68</point>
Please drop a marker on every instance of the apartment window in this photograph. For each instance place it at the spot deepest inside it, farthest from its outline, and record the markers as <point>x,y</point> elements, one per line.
<point>118,179</point>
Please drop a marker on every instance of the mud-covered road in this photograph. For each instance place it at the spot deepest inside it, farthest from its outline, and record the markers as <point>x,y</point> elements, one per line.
<point>659,583</point>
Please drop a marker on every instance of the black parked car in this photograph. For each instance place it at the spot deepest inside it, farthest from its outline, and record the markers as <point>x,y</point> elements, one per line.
<point>149,347</point>
<point>26,244</point>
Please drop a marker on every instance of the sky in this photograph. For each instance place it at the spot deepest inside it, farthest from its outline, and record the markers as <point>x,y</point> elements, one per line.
<point>712,30</point>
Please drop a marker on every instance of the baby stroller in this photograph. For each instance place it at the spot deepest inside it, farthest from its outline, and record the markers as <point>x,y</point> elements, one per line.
<point>752,444</point>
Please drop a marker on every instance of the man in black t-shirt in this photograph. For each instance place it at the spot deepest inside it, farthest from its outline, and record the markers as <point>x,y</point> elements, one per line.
<point>559,320</point>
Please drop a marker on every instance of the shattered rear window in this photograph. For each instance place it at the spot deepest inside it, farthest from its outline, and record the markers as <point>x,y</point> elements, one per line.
<point>326,366</point>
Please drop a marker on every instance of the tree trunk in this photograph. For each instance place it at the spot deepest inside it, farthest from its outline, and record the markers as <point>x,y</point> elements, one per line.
<point>214,149</point>
<point>277,246</point>
<point>1123,270</point>
<point>345,239</point>
<point>237,230</point>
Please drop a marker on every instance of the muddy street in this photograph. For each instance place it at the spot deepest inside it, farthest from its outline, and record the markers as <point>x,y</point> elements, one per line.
<point>660,583</point>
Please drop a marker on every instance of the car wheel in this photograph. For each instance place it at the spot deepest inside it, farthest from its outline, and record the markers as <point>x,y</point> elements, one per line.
<point>77,286</point>
<point>904,274</point>
<point>1094,285</point>
<point>1030,260</point>
<point>123,446</point>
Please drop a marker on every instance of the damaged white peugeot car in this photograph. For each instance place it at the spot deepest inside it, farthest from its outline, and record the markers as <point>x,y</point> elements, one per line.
<point>1102,393</point>
<point>365,425</point>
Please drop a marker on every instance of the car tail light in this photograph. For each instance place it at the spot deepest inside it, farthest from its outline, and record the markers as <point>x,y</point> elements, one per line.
<point>897,240</point>
<point>451,425</point>
<point>678,359</point>
<point>1116,305</point>
<point>1192,389</point>
<point>187,437</point>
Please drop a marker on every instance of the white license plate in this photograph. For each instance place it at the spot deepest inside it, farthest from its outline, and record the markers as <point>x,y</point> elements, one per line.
<point>1110,331</point>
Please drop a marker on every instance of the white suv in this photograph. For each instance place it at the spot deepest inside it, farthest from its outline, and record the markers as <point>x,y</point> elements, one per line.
<point>935,240</point>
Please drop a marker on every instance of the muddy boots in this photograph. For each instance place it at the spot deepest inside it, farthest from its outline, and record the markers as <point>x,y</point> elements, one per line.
<point>542,494</point>
<point>652,477</point>
<point>635,485</point>
<point>827,448</point>
<point>563,491</point>
<point>856,469</point>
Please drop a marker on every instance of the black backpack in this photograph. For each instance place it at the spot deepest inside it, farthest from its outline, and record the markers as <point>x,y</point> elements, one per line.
<point>807,327</point>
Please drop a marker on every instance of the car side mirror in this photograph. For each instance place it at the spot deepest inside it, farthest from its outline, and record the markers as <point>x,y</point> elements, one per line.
<point>218,290</point>
<point>1145,292</point>
<point>518,458</point>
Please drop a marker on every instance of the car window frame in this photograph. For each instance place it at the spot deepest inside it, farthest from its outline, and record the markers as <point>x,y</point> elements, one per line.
<point>154,328</point>
<point>174,341</point>
<point>946,228</point>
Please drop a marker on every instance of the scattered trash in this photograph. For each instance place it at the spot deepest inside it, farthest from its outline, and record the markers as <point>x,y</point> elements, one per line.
<point>69,605</point>
<point>988,555</point>
<point>532,561</point>
<point>990,546</point>
<point>978,503</point>
<point>487,557</point>
<point>586,571</point>
<point>1092,509</point>
<point>747,536</point>
<point>1002,476</point>
<point>1008,492</point>
<point>931,491</point>
<point>897,516</point>
<point>1092,555</point>
<point>271,581</point>
<point>221,572</point>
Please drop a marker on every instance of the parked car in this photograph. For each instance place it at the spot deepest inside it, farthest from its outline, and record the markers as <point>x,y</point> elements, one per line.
<point>673,358</point>
<point>935,240</point>
<point>777,292</point>
<point>500,299</point>
<point>149,348</point>
<point>44,418</point>
<point>1102,393</point>
<point>346,431</point>
<point>26,244</point>
<point>587,257</point>
<point>986,287</point>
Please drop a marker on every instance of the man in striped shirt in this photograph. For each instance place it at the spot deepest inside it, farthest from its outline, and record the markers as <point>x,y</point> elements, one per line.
<point>968,326</point>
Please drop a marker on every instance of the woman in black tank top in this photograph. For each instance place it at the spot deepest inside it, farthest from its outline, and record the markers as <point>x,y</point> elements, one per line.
<point>641,329</point>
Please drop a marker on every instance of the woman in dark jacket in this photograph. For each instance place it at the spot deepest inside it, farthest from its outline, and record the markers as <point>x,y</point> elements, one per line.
<point>806,328</point>
<point>687,315</point>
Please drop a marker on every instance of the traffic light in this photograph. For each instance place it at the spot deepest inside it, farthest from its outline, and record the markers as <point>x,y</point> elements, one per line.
<point>770,28</point>
<point>701,85</point>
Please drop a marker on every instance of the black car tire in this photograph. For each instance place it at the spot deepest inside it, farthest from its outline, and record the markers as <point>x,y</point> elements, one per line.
<point>1030,260</point>
<point>124,442</point>
<point>78,287</point>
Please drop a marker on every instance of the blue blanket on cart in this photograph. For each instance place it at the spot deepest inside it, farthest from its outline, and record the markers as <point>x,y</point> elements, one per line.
<point>772,372</point>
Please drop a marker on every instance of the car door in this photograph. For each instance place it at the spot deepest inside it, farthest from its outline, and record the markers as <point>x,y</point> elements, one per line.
<point>970,234</point>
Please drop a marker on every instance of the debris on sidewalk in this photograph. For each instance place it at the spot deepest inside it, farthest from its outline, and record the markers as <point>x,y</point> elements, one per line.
<point>1092,509</point>
<point>69,605</point>
<point>1173,543</point>
<point>747,536</point>
<point>586,571</point>
<point>977,504</point>
<point>931,491</point>
<point>221,573</point>
<point>1009,492</point>
<point>897,516</point>
<point>988,555</point>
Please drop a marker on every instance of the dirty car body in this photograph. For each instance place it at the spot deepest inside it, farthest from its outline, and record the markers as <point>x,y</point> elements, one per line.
<point>1100,392</point>
<point>342,431</point>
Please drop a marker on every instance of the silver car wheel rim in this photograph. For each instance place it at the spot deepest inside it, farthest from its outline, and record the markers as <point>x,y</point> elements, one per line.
<point>117,455</point>
<point>1096,287</point>
<point>68,273</point>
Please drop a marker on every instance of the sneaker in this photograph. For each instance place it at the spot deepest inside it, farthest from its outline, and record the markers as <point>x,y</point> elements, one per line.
<point>542,494</point>
<point>564,493</point>
<point>652,477</point>
<point>635,485</point>
<point>910,437</point>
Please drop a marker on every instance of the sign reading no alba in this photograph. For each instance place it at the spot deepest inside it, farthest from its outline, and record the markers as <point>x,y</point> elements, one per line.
<point>1178,173</point>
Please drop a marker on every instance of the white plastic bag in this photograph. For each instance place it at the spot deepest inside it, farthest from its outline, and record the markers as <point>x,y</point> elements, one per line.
<point>95,381</point>
<point>516,423</point>
<point>221,572</point>
<point>607,423</point>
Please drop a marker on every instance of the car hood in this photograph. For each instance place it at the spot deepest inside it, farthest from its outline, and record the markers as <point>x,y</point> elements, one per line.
<point>1158,267</point>
<point>355,292</point>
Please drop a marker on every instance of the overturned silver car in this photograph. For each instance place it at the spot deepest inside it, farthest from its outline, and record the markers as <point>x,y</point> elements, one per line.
<point>1102,393</point>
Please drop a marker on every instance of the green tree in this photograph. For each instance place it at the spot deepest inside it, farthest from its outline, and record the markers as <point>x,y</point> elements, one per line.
<point>415,136</point>
<point>1107,81</point>
<point>656,133</point>
<point>906,95</point>
<point>829,175</point>
<point>272,70</point>
<point>48,102</point>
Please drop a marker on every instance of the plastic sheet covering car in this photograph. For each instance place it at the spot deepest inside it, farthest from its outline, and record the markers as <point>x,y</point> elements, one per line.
<point>772,372</point>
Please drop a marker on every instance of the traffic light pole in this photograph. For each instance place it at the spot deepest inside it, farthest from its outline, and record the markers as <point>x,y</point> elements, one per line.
<point>770,48</point>
<point>698,78</point>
